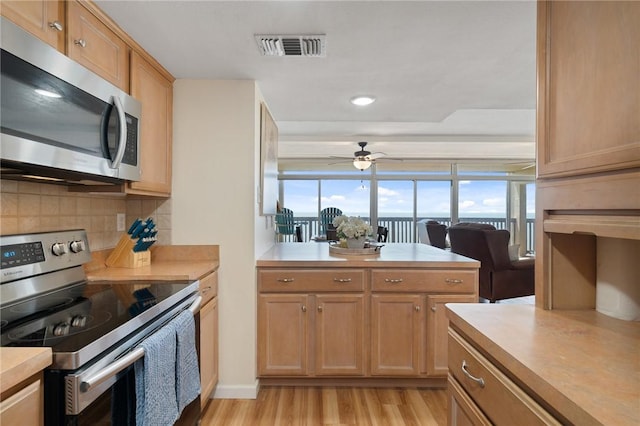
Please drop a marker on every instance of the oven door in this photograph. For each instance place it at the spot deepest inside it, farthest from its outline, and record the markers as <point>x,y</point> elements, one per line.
<point>103,393</point>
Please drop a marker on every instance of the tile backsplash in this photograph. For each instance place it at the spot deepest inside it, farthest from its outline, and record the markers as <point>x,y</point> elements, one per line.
<point>33,207</point>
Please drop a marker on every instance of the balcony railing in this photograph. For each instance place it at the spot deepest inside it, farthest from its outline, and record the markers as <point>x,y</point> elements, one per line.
<point>402,229</point>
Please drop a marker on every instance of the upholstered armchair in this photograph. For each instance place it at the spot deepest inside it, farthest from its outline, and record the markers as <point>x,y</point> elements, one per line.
<point>437,233</point>
<point>500,277</point>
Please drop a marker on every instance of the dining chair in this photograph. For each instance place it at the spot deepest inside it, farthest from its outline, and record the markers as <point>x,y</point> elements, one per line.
<point>326,218</point>
<point>383,232</point>
<point>286,225</point>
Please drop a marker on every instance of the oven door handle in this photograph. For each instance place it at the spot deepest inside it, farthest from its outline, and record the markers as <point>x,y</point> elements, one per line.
<point>122,363</point>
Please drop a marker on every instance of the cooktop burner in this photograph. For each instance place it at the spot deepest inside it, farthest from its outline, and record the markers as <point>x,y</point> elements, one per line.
<point>101,308</point>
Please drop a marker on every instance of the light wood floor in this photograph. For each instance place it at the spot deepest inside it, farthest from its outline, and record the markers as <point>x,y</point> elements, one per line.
<point>331,406</point>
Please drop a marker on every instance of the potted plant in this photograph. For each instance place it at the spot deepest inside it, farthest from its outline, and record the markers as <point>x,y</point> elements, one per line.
<point>352,229</point>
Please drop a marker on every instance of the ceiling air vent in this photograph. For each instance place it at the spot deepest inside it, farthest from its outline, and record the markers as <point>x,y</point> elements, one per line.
<point>292,45</point>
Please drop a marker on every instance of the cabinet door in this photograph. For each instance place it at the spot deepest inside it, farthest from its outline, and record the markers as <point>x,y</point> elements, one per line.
<point>283,334</point>
<point>396,333</point>
<point>437,332</point>
<point>91,43</point>
<point>156,94</point>
<point>462,410</point>
<point>42,18</point>
<point>24,408</point>
<point>208,349</point>
<point>588,87</point>
<point>339,335</point>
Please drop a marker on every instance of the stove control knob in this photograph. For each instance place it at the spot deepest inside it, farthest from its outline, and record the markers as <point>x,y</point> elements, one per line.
<point>77,246</point>
<point>61,329</point>
<point>59,249</point>
<point>78,321</point>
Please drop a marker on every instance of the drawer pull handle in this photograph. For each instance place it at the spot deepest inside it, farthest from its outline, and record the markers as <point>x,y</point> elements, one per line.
<point>453,281</point>
<point>286,280</point>
<point>80,43</point>
<point>393,280</point>
<point>342,280</point>
<point>56,25</point>
<point>206,290</point>
<point>478,380</point>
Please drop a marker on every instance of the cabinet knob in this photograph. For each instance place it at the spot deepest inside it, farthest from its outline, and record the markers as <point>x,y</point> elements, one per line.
<point>433,308</point>
<point>342,280</point>
<point>417,308</point>
<point>80,42</point>
<point>319,308</point>
<point>56,25</point>
<point>393,280</point>
<point>478,380</point>
<point>453,281</point>
<point>304,308</point>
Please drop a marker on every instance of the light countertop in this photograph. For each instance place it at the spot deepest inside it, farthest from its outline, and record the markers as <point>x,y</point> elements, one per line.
<point>586,365</point>
<point>391,255</point>
<point>168,263</point>
<point>18,364</point>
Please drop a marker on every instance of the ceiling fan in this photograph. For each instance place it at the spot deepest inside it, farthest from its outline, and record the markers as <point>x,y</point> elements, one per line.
<point>363,159</point>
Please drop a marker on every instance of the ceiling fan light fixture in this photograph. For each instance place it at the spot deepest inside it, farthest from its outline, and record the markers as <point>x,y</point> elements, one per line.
<point>361,163</point>
<point>363,100</point>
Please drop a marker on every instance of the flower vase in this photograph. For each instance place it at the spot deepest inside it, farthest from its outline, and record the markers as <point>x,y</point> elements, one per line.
<point>356,243</point>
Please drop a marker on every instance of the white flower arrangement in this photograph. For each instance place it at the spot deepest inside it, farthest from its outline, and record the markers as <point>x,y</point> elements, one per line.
<point>351,227</point>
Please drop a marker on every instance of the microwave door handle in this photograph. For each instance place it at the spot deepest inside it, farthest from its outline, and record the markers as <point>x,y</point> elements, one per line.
<point>122,142</point>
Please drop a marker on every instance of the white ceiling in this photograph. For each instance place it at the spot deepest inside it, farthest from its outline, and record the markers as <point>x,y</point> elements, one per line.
<point>453,79</point>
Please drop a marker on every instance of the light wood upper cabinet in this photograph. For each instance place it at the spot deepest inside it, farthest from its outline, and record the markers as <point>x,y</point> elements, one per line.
<point>93,44</point>
<point>588,87</point>
<point>44,18</point>
<point>155,92</point>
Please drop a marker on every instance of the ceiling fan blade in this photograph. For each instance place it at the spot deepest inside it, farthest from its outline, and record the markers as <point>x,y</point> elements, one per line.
<point>376,155</point>
<point>341,158</point>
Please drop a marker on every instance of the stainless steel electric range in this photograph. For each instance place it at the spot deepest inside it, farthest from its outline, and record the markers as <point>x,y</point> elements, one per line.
<point>93,328</point>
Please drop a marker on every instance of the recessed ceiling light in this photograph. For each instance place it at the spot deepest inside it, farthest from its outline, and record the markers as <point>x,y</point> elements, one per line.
<point>363,100</point>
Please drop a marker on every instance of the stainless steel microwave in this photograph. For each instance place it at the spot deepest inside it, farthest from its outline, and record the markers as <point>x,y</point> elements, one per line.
<point>60,120</point>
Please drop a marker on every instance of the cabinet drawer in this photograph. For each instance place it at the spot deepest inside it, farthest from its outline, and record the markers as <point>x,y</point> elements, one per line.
<point>209,287</point>
<point>423,281</point>
<point>500,399</point>
<point>287,280</point>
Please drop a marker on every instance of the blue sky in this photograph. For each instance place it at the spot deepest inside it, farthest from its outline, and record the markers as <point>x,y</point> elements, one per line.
<point>481,198</point>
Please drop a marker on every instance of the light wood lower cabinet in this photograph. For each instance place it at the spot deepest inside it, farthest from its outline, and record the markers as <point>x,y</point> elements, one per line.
<point>293,328</point>
<point>283,334</point>
<point>396,333</point>
<point>339,334</point>
<point>208,336</point>
<point>333,323</point>
<point>436,351</point>
<point>24,407</point>
<point>480,387</point>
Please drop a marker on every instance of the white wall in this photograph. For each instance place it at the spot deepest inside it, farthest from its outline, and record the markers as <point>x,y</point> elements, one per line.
<point>216,174</point>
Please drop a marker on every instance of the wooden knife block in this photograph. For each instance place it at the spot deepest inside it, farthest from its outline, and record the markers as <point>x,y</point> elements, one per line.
<point>123,255</point>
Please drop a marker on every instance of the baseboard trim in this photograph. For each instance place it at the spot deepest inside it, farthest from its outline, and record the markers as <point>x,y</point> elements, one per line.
<point>237,391</point>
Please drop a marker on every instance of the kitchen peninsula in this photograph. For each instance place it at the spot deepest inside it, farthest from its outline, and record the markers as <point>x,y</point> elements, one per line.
<point>378,318</point>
